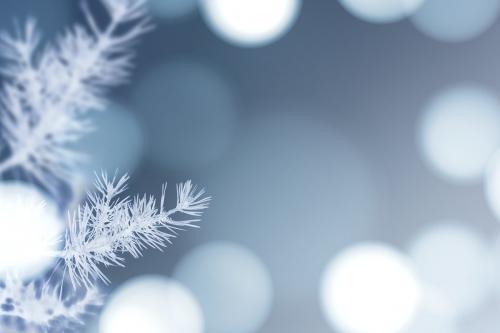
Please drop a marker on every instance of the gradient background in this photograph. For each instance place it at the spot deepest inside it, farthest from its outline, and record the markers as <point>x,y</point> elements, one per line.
<point>308,144</point>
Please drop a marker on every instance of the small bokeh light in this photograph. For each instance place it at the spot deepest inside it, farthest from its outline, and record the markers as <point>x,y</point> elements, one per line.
<point>460,131</point>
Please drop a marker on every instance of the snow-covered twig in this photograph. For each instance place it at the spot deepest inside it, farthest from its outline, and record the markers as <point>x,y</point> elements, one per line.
<point>42,307</point>
<point>50,89</point>
<point>106,227</point>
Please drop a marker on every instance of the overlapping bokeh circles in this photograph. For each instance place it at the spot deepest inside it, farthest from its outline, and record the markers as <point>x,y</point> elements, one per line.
<point>456,20</point>
<point>30,230</point>
<point>433,315</point>
<point>189,114</point>
<point>456,262</point>
<point>297,178</point>
<point>459,131</point>
<point>492,184</point>
<point>369,287</point>
<point>232,285</point>
<point>381,11</point>
<point>250,23</point>
<point>151,304</point>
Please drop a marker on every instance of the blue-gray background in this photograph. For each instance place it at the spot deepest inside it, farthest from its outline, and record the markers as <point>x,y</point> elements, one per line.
<point>307,144</point>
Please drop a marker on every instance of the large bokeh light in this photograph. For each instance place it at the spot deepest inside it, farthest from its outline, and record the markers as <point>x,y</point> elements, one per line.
<point>296,178</point>
<point>455,261</point>
<point>30,230</point>
<point>369,287</point>
<point>109,149</point>
<point>381,11</point>
<point>151,304</point>
<point>232,285</point>
<point>456,20</point>
<point>189,112</point>
<point>250,22</point>
<point>459,132</point>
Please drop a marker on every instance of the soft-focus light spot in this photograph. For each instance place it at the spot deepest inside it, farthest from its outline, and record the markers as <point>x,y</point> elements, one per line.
<point>456,20</point>
<point>250,23</point>
<point>496,266</point>
<point>485,321</point>
<point>381,11</point>
<point>369,288</point>
<point>151,304</point>
<point>30,229</point>
<point>459,132</point>
<point>492,184</point>
<point>301,179</point>
<point>116,143</point>
<point>173,9</point>
<point>189,111</point>
<point>455,262</point>
<point>231,284</point>
<point>434,315</point>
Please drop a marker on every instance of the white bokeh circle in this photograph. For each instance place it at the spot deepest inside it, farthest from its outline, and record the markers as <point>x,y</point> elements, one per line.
<point>151,304</point>
<point>30,230</point>
<point>250,23</point>
<point>459,132</point>
<point>434,315</point>
<point>369,287</point>
<point>381,11</point>
<point>232,285</point>
<point>456,262</point>
<point>456,20</point>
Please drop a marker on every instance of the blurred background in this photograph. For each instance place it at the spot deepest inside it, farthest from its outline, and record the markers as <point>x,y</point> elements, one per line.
<point>350,147</point>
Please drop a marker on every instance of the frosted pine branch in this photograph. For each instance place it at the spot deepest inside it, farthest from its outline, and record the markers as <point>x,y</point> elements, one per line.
<point>50,89</point>
<point>105,228</point>
<point>42,307</point>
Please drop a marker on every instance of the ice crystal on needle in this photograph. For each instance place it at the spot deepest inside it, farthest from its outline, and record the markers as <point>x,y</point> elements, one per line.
<point>105,228</point>
<point>49,89</point>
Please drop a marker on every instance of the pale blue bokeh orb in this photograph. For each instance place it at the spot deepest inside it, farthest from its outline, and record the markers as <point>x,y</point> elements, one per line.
<point>116,144</point>
<point>232,285</point>
<point>296,177</point>
<point>173,9</point>
<point>381,11</point>
<point>459,131</point>
<point>456,20</point>
<point>456,262</point>
<point>189,113</point>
